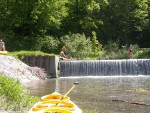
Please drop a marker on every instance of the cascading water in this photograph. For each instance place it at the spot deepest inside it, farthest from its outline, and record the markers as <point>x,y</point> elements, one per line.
<point>105,67</point>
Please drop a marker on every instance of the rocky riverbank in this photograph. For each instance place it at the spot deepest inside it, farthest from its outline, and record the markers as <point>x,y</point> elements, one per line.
<point>15,68</point>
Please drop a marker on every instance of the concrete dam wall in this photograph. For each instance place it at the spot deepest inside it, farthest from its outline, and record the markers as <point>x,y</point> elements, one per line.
<point>123,67</point>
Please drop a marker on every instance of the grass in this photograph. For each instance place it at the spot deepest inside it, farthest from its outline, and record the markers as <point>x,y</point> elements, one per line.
<point>28,53</point>
<point>13,96</point>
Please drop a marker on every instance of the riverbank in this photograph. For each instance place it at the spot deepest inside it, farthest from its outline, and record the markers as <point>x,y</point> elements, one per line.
<point>14,74</point>
<point>15,68</point>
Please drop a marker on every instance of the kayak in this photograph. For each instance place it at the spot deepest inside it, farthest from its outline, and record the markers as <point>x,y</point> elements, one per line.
<point>3,52</point>
<point>55,103</point>
<point>56,97</point>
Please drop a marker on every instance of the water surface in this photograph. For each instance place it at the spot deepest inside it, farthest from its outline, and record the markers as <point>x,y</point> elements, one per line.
<point>106,94</point>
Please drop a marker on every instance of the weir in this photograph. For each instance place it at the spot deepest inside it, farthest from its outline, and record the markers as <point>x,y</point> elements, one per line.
<point>123,67</point>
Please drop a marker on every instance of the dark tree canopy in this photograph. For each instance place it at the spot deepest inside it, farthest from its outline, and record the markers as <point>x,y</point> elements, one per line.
<point>24,22</point>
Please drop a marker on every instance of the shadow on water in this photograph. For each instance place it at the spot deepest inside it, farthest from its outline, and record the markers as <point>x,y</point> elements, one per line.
<point>106,94</point>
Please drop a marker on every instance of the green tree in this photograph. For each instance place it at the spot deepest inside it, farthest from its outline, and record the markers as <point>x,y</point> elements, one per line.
<point>83,16</point>
<point>124,20</point>
<point>77,45</point>
<point>50,44</point>
<point>96,46</point>
<point>48,14</point>
<point>24,20</point>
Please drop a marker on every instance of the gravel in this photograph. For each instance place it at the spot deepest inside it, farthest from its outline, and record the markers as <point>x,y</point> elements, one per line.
<point>15,68</point>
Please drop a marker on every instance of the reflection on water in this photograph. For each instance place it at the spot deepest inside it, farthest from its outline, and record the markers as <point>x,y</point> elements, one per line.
<point>105,94</point>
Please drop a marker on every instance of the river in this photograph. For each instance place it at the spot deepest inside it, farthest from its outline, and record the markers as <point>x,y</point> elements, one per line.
<point>103,94</point>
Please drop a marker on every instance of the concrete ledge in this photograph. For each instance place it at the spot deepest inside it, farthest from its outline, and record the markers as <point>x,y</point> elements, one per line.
<point>48,63</point>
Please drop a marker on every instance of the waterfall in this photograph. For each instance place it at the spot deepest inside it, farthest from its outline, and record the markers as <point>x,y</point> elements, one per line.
<point>123,67</point>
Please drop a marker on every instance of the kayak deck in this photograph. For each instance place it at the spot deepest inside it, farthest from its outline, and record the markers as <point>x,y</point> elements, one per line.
<point>55,103</point>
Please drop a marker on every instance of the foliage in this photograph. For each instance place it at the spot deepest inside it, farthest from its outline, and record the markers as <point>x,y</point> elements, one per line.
<point>124,21</point>
<point>96,46</point>
<point>39,25</point>
<point>50,44</point>
<point>143,53</point>
<point>77,45</point>
<point>97,50</point>
<point>47,44</point>
<point>134,50</point>
<point>112,51</point>
<point>49,14</point>
<point>83,16</point>
<point>17,42</point>
<point>32,17</point>
<point>22,27</point>
<point>13,95</point>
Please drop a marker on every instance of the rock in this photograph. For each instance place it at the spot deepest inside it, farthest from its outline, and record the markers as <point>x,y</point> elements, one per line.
<point>15,68</point>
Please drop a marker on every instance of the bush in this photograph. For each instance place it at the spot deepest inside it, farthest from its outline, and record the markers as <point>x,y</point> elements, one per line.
<point>13,95</point>
<point>112,51</point>
<point>50,44</point>
<point>97,50</point>
<point>77,45</point>
<point>17,43</point>
<point>144,53</point>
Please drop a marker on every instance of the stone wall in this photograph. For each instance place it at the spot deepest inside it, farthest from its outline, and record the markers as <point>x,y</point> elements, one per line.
<point>48,63</point>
